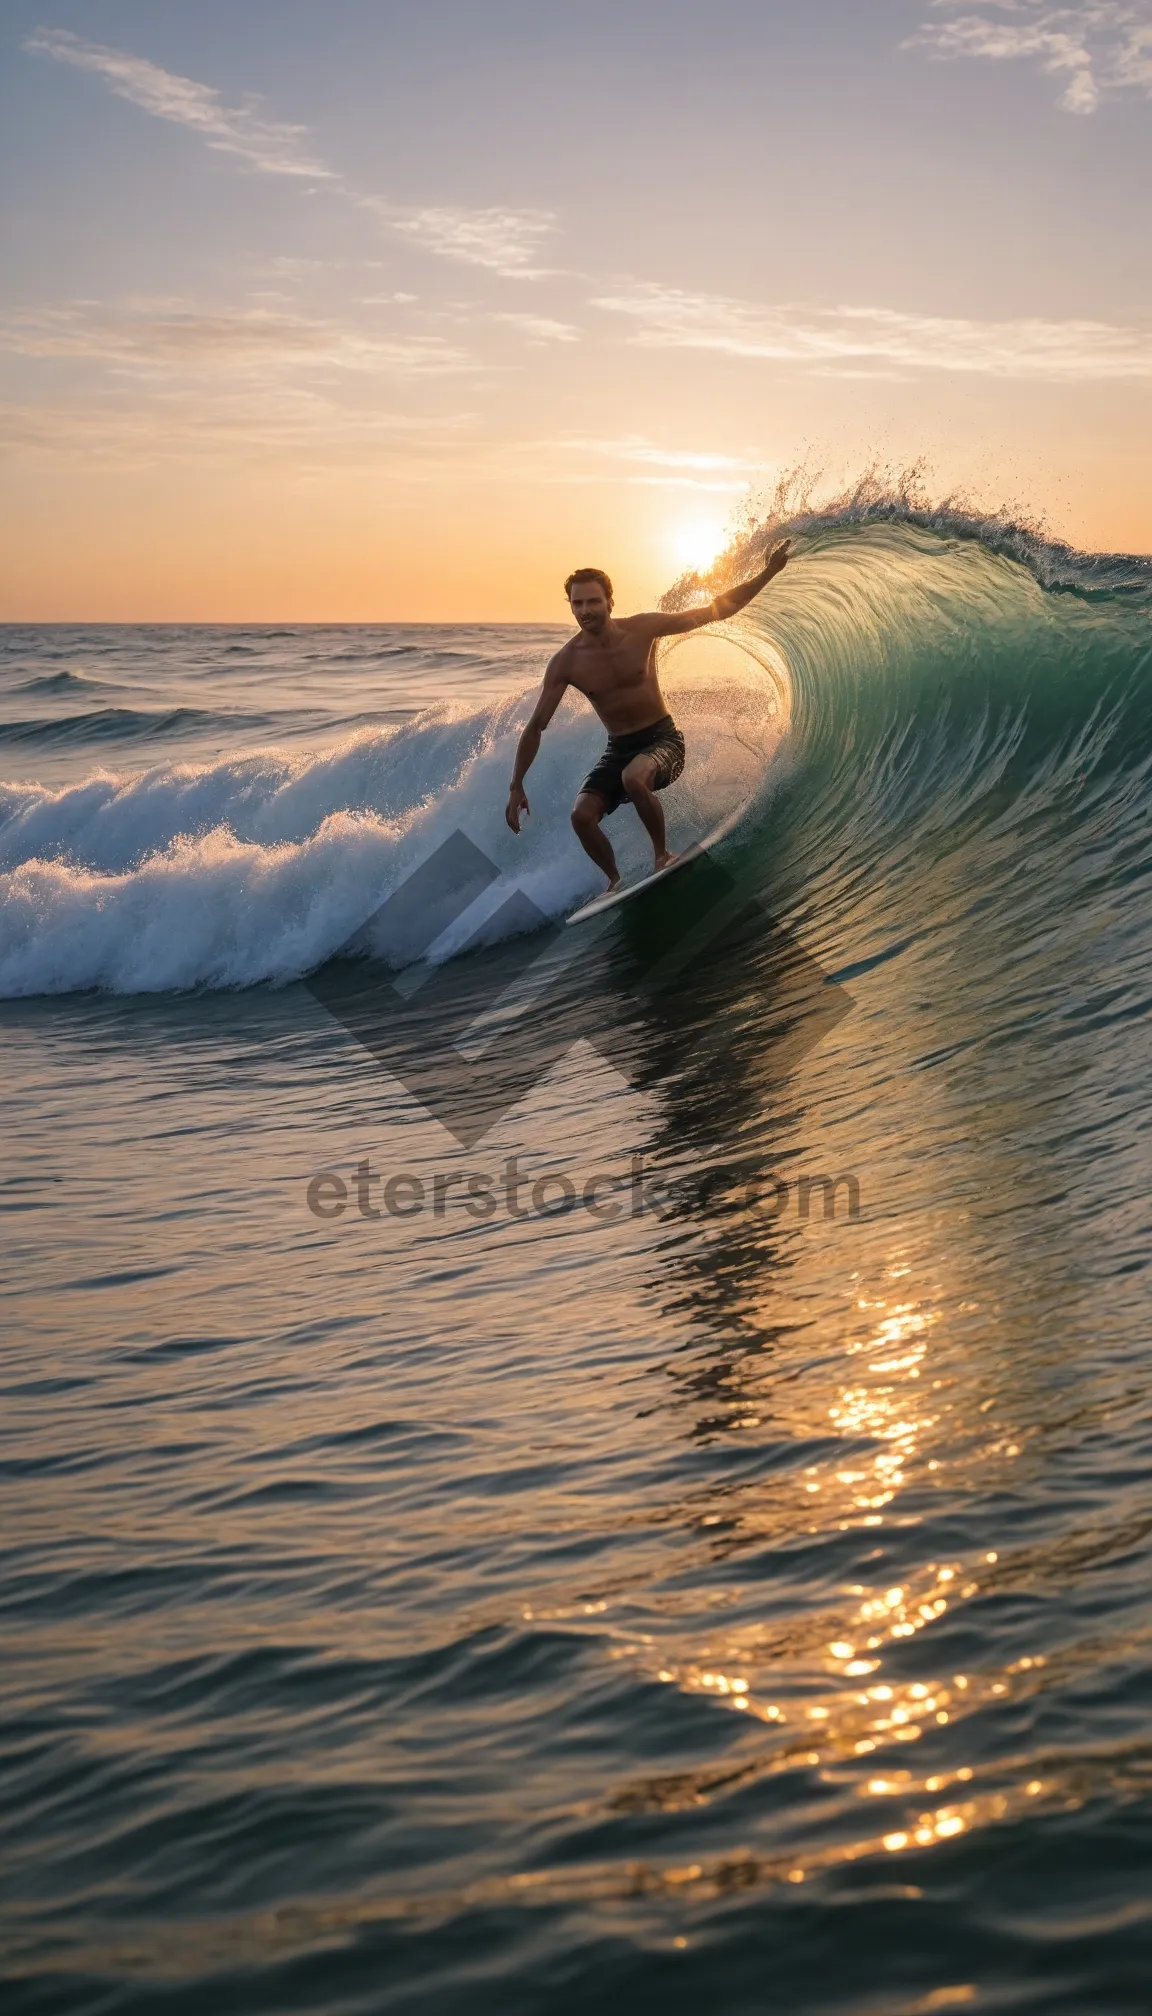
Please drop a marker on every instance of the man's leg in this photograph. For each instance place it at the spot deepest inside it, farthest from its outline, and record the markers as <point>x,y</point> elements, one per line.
<point>637,782</point>
<point>587,813</point>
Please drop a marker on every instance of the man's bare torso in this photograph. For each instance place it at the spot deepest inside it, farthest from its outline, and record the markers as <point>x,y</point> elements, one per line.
<point>616,672</point>
<point>612,662</point>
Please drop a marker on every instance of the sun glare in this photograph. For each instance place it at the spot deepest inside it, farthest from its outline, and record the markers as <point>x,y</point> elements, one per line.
<point>698,543</point>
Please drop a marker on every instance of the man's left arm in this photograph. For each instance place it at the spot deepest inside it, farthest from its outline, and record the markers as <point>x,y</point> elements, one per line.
<point>727,604</point>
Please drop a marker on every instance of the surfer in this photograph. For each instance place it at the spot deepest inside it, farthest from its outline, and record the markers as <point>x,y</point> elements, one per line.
<point>612,662</point>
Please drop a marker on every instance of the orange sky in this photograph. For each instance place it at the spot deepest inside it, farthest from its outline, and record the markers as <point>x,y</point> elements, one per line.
<point>287,358</point>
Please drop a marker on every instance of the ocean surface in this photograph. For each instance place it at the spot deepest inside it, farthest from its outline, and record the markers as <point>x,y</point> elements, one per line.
<point>609,1469</point>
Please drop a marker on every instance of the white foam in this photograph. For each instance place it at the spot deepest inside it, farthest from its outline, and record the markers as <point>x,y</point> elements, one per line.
<point>262,867</point>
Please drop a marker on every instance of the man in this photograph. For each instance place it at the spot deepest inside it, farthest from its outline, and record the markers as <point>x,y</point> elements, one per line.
<point>612,661</point>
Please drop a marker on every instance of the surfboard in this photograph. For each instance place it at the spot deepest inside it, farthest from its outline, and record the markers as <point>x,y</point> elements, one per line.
<point>698,848</point>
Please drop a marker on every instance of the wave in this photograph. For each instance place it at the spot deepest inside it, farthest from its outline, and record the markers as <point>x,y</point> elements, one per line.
<point>900,498</point>
<point>127,724</point>
<point>67,682</point>
<point>972,748</point>
<point>162,724</point>
<point>959,696</point>
<point>261,867</point>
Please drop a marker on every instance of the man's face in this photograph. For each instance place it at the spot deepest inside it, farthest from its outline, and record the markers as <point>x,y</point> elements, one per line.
<point>590,606</point>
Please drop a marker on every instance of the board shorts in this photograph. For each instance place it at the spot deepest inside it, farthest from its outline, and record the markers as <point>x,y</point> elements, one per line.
<point>661,739</point>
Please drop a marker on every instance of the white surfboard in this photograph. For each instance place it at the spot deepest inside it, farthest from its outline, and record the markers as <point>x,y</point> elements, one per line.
<point>692,853</point>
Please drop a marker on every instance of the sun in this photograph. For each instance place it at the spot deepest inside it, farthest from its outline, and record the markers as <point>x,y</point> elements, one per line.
<point>697,542</point>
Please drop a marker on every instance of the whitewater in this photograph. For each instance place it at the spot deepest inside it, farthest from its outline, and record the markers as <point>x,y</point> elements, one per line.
<point>909,663</point>
<point>648,1507</point>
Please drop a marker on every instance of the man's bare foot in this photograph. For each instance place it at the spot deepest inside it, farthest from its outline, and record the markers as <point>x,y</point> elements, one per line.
<point>664,860</point>
<point>613,883</point>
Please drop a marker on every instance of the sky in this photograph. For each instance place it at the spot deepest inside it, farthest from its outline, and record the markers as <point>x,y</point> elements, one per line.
<point>397,310</point>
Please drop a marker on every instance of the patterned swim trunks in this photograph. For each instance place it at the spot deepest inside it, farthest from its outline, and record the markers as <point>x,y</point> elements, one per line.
<point>661,739</point>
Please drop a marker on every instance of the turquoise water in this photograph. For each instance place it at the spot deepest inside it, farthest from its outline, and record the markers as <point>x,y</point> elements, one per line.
<point>728,1594</point>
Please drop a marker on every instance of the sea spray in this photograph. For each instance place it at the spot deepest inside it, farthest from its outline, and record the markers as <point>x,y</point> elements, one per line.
<point>924,684</point>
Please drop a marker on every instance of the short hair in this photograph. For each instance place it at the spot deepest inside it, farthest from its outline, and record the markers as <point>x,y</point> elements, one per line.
<point>588,574</point>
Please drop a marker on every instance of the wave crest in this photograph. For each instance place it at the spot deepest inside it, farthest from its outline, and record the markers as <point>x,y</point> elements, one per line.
<point>261,867</point>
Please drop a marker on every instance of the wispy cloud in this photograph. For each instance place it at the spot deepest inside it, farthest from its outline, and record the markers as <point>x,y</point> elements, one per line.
<point>634,459</point>
<point>1098,46</point>
<point>638,448</point>
<point>267,144</point>
<point>301,428</point>
<point>841,340</point>
<point>171,337</point>
<point>540,328</point>
<point>264,384</point>
<point>504,241</point>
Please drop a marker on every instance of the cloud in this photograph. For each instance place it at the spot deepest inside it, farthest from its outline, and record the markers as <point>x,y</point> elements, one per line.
<point>267,144</point>
<point>148,338</point>
<point>834,340</point>
<point>580,459</point>
<point>504,241</point>
<point>252,385</point>
<point>1100,46</point>
<point>300,430</point>
<point>540,328</point>
<point>638,448</point>
<point>296,428</point>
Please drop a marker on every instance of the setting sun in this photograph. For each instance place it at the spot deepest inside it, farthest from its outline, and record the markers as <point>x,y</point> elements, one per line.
<point>549,591</point>
<point>697,543</point>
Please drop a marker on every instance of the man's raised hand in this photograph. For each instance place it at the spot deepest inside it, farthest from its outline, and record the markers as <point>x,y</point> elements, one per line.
<point>778,559</point>
<point>517,803</point>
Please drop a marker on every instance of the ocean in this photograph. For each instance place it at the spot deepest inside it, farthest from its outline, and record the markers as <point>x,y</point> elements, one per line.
<point>608,1468</point>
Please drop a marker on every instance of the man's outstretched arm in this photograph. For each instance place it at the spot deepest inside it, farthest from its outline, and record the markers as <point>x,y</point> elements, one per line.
<point>528,747</point>
<point>659,625</point>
